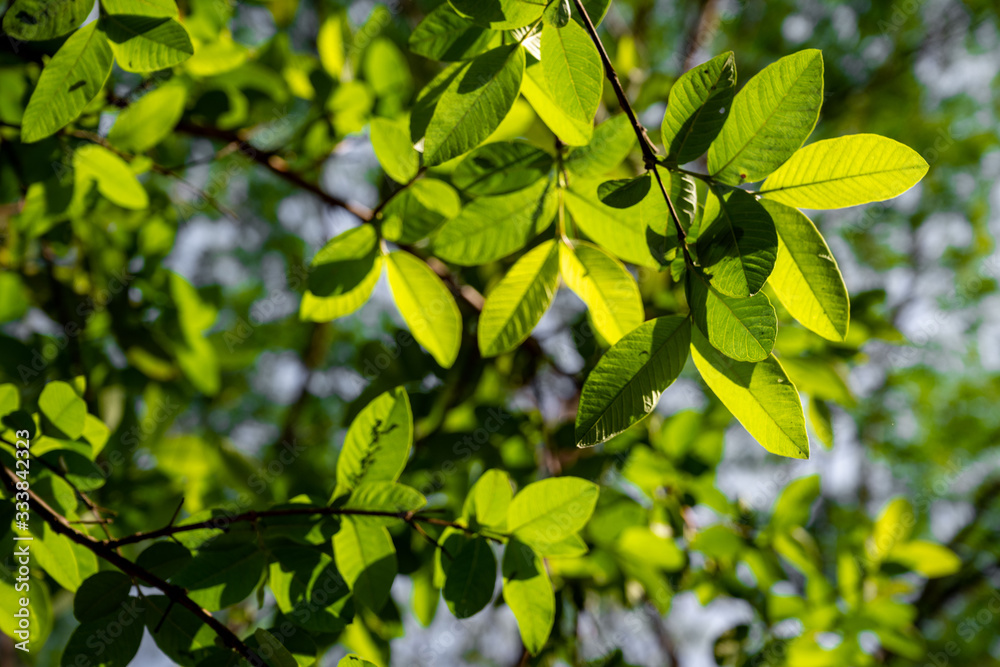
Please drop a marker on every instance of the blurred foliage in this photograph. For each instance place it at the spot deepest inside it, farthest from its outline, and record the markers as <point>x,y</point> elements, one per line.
<point>154,254</point>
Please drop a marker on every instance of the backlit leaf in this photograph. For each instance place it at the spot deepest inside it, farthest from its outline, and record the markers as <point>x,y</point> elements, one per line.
<point>627,382</point>
<point>771,117</point>
<point>700,101</point>
<point>608,289</point>
<point>73,78</point>
<point>427,306</point>
<point>759,395</point>
<point>474,103</point>
<point>806,277</point>
<point>738,244</point>
<point>845,171</point>
<point>519,300</point>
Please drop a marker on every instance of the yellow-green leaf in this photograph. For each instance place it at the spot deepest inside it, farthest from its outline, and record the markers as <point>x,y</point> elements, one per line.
<point>845,171</point>
<point>427,306</point>
<point>605,286</point>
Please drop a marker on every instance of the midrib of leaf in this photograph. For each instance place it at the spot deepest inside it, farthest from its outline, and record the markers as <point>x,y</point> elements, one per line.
<point>524,297</point>
<point>79,57</point>
<point>629,384</point>
<point>475,101</point>
<point>753,394</point>
<point>841,178</point>
<point>697,114</point>
<point>798,266</point>
<point>364,574</point>
<point>732,232</point>
<point>767,120</point>
<point>740,321</point>
<point>569,68</point>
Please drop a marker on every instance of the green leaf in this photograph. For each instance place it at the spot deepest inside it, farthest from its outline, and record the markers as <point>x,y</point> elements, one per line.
<point>546,512</point>
<point>308,587</point>
<point>115,179</point>
<point>519,300</point>
<point>150,120</point>
<point>383,497</point>
<point>180,634</point>
<point>146,43</point>
<point>570,130</point>
<point>367,559</point>
<point>37,20</point>
<point>738,244</point>
<point>378,442</point>
<point>427,99</point>
<point>806,277</point>
<point>471,578</point>
<point>558,13</point>
<point>927,558</point>
<point>444,35</point>
<point>605,286</point>
<point>846,171</point>
<point>157,8</point>
<point>218,577</point>
<point>624,192</point>
<point>699,103</point>
<point>427,306</point>
<point>69,563</point>
<point>571,546</point>
<point>759,395</point>
<point>490,228</point>
<point>741,328</point>
<point>64,408</point>
<point>342,275</point>
<point>474,103</point>
<point>273,650</point>
<point>627,382</point>
<point>638,544</point>
<point>573,70</point>
<point>418,210</point>
<point>100,595</point>
<point>489,499</point>
<point>625,233</point>
<point>500,14</point>
<point>527,590</point>
<point>611,143</point>
<point>391,142</point>
<point>793,506</point>
<point>893,526</point>
<point>39,605</point>
<point>330,45</point>
<point>73,78</point>
<point>500,168</point>
<point>110,640</point>
<point>164,559</point>
<point>771,118</point>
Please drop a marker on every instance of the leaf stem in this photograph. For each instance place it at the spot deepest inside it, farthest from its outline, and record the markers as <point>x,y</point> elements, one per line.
<point>648,149</point>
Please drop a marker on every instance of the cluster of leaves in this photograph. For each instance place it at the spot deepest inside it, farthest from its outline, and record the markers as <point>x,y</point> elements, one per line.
<point>323,562</point>
<point>670,264</point>
<point>723,242</point>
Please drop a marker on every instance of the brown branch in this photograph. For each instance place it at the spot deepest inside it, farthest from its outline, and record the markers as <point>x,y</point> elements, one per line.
<point>222,523</point>
<point>106,551</point>
<point>647,146</point>
<point>277,164</point>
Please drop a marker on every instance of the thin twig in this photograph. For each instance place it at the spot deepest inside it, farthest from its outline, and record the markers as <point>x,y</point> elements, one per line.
<point>645,143</point>
<point>104,550</point>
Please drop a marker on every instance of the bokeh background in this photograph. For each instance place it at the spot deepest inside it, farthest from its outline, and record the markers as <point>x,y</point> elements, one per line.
<point>913,397</point>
